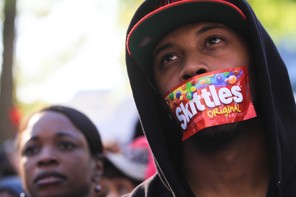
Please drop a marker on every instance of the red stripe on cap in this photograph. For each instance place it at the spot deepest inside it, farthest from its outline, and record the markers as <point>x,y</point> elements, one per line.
<point>176,3</point>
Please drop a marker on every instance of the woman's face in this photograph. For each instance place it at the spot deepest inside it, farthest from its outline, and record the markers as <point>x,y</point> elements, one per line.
<point>55,159</point>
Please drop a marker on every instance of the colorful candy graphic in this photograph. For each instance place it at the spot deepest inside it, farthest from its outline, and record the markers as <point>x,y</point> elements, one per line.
<point>189,87</point>
<point>210,99</point>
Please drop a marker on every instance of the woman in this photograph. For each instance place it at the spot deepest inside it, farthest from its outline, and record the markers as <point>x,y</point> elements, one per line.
<point>60,154</point>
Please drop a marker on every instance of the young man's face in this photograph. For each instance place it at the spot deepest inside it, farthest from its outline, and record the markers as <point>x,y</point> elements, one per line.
<point>195,49</point>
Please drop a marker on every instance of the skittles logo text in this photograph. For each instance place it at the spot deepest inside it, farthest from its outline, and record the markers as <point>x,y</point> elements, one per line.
<point>208,96</point>
<point>212,98</point>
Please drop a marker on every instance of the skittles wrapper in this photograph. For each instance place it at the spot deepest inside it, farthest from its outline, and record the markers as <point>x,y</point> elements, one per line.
<point>210,99</point>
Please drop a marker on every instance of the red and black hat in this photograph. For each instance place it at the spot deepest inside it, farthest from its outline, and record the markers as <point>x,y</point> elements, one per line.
<point>155,18</point>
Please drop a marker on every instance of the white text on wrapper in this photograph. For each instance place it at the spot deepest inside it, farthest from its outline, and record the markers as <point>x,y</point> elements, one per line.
<point>211,97</point>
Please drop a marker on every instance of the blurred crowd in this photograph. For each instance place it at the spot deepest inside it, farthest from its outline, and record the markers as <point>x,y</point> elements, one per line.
<point>58,151</point>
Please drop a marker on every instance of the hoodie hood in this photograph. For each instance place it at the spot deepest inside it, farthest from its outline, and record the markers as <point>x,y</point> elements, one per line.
<point>275,106</point>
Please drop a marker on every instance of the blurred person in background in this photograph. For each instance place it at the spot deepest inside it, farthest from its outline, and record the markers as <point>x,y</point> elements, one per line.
<point>60,154</point>
<point>10,182</point>
<point>126,168</point>
<point>11,155</point>
<point>6,167</point>
<point>11,187</point>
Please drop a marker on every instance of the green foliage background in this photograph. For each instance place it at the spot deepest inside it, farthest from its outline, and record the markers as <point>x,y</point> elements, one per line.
<point>277,16</point>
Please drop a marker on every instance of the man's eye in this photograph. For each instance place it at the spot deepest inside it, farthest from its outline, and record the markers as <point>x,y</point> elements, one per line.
<point>168,58</point>
<point>67,145</point>
<point>213,40</point>
<point>30,150</point>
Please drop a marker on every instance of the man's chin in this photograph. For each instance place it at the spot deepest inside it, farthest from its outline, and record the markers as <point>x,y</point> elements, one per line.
<point>216,137</point>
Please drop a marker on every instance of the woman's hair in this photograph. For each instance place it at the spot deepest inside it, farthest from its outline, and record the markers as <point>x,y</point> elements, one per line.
<point>81,122</point>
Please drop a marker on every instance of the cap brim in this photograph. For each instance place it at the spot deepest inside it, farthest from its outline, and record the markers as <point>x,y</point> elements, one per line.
<point>134,170</point>
<point>148,31</point>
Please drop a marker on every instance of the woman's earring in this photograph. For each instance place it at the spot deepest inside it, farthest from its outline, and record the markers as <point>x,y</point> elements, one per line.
<point>97,188</point>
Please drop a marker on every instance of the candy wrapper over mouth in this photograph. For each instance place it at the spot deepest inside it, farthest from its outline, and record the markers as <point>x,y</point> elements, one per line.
<point>210,99</point>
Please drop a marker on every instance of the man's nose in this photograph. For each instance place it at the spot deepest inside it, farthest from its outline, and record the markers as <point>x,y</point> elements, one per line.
<point>193,66</point>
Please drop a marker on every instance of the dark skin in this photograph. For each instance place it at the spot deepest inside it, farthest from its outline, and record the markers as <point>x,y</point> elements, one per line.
<point>55,159</point>
<point>227,160</point>
<point>236,167</point>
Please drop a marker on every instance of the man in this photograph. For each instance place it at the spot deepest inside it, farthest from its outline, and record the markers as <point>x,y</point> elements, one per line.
<point>214,98</point>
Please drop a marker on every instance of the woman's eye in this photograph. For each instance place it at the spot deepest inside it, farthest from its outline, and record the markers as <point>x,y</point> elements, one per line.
<point>30,150</point>
<point>168,58</point>
<point>213,40</point>
<point>67,145</point>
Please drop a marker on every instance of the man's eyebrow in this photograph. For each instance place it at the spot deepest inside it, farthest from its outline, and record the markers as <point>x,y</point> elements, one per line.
<point>162,47</point>
<point>209,27</point>
<point>202,30</point>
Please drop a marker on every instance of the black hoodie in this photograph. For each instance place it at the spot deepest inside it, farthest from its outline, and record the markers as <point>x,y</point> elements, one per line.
<point>275,106</point>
